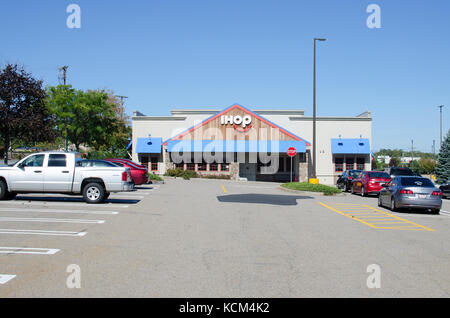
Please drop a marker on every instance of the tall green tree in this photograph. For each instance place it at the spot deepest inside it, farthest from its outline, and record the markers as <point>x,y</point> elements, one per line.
<point>23,112</point>
<point>84,118</point>
<point>443,163</point>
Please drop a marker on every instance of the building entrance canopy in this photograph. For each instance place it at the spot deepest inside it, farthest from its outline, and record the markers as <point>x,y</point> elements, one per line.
<point>251,146</point>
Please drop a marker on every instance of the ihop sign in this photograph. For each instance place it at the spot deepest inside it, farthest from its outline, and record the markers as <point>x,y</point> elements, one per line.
<point>244,121</point>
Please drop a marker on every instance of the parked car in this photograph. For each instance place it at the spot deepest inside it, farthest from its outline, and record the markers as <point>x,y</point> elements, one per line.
<point>344,182</point>
<point>399,171</point>
<point>127,160</point>
<point>59,172</point>
<point>445,188</point>
<point>411,192</point>
<point>139,174</point>
<point>96,163</point>
<point>369,182</point>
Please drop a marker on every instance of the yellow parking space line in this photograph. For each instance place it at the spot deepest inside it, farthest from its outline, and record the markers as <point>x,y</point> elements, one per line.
<point>347,215</point>
<point>379,217</point>
<point>397,222</point>
<point>399,218</point>
<point>224,189</point>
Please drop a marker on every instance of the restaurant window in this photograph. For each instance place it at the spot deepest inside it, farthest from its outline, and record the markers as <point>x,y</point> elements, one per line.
<point>154,164</point>
<point>190,166</point>
<point>360,163</point>
<point>339,164</point>
<point>224,167</point>
<point>201,166</point>
<point>349,163</point>
<point>213,167</point>
<point>180,165</point>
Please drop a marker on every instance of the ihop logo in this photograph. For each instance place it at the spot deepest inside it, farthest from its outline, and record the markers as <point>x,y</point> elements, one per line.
<point>244,121</point>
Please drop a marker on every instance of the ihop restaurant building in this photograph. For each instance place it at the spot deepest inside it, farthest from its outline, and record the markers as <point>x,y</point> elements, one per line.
<point>247,144</point>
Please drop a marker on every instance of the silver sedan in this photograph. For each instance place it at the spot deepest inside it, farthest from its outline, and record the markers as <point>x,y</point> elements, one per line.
<point>412,193</point>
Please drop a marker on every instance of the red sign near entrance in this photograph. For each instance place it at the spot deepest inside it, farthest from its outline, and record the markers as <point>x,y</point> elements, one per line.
<point>292,152</point>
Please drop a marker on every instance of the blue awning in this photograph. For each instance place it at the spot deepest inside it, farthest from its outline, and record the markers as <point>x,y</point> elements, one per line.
<point>149,145</point>
<point>350,146</point>
<point>280,146</point>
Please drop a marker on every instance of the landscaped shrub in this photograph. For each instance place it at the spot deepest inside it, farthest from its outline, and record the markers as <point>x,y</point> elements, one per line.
<point>216,176</point>
<point>185,174</point>
<point>305,186</point>
<point>154,177</point>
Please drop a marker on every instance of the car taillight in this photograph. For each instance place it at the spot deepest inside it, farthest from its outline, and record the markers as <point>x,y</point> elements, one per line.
<point>406,192</point>
<point>350,178</point>
<point>124,176</point>
<point>437,193</point>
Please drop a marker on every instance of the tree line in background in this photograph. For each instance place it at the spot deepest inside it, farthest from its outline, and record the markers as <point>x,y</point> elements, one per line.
<point>57,116</point>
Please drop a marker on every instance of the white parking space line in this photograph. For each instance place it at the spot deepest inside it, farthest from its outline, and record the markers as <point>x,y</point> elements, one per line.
<point>57,211</point>
<point>126,194</point>
<point>25,203</point>
<point>51,220</point>
<point>28,250</point>
<point>121,197</point>
<point>41,232</point>
<point>5,278</point>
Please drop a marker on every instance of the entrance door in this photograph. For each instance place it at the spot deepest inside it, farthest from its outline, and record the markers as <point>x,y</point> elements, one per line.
<point>248,170</point>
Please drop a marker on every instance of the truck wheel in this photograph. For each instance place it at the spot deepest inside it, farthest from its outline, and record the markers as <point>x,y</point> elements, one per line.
<point>107,194</point>
<point>3,190</point>
<point>93,193</point>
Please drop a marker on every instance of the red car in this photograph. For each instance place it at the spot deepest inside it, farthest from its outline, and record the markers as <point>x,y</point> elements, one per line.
<point>139,173</point>
<point>369,182</point>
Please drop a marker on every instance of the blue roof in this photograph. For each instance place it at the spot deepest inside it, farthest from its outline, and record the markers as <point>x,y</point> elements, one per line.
<point>235,145</point>
<point>350,146</point>
<point>149,145</point>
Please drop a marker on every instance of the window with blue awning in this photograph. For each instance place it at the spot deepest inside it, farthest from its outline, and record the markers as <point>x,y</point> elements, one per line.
<point>350,146</point>
<point>263,146</point>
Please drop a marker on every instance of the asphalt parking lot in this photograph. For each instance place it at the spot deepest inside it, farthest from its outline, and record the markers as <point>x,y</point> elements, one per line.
<point>217,238</point>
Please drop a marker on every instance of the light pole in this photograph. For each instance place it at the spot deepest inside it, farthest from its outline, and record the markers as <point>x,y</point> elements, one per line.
<point>440,140</point>
<point>314,172</point>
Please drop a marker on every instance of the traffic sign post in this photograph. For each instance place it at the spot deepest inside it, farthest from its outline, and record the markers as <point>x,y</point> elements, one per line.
<point>291,152</point>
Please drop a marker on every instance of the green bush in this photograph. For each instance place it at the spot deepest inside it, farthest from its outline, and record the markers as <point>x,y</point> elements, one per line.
<point>216,176</point>
<point>154,177</point>
<point>305,186</point>
<point>185,174</point>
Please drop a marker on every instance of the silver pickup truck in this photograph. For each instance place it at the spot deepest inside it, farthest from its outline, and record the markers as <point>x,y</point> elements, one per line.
<point>58,172</point>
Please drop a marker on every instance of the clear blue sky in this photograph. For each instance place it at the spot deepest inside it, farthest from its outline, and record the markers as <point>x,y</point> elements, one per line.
<point>167,54</point>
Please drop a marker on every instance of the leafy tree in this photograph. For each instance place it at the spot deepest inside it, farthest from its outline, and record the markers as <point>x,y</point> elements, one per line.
<point>427,165</point>
<point>82,117</point>
<point>415,166</point>
<point>23,111</point>
<point>443,163</point>
<point>394,162</point>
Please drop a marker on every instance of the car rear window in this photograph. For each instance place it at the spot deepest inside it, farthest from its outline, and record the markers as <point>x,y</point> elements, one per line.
<point>417,182</point>
<point>402,172</point>
<point>383,175</point>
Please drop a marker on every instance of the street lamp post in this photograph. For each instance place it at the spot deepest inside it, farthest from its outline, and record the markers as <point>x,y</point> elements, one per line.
<point>314,172</point>
<point>440,140</point>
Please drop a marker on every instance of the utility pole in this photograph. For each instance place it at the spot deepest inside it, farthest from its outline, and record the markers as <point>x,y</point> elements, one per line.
<point>314,146</point>
<point>440,143</point>
<point>434,147</point>
<point>64,75</point>
<point>412,149</point>
<point>121,108</point>
<point>63,69</point>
